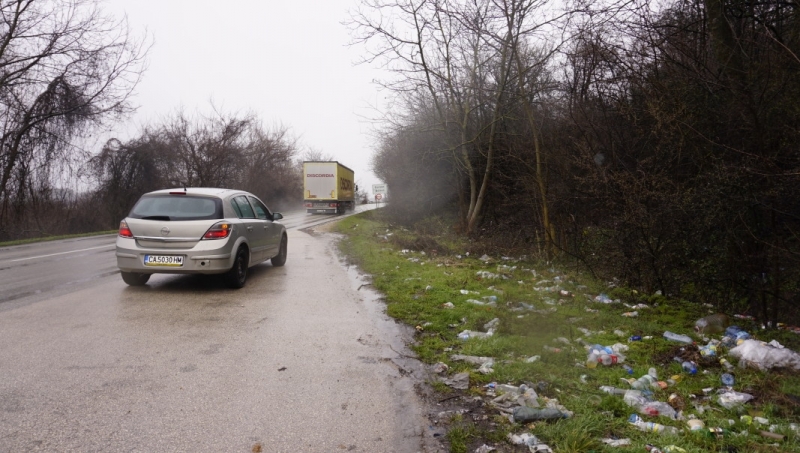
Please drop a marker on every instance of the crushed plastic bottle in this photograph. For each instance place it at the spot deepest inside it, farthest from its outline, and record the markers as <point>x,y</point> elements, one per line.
<point>635,338</point>
<point>678,337</point>
<point>627,369</point>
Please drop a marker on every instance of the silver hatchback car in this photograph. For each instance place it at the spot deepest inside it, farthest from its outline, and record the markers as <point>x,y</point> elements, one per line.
<point>198,231</point>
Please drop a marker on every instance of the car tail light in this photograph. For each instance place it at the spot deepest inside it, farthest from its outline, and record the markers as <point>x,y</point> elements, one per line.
<point>220,230</point>
<point>333,205</point>
<point>124,231</point>
<point>309,205</point>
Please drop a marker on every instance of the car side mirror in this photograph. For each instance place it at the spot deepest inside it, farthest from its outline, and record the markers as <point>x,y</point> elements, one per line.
<point>276,216</point>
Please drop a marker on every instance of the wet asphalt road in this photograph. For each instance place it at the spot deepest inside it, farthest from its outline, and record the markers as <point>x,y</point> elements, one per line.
<point>298,360</point>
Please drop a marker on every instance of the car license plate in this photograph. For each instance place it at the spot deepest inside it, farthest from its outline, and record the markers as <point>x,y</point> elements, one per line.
<point>163,260</point>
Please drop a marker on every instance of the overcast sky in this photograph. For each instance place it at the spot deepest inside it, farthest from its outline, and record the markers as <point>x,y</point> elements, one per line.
<point>286,60</point>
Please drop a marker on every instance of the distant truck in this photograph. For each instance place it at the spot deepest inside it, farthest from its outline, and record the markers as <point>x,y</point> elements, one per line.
<point>328,187</point>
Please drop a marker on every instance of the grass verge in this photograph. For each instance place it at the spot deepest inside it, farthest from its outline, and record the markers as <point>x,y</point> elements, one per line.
<point>431,282</point>
<point>55,238</point>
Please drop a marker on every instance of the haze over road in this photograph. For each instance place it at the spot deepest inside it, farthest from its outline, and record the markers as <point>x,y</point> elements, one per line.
<point>298,360</point>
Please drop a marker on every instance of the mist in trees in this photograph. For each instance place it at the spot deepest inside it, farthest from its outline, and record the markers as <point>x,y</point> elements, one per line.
<point>219,150</point>
<point>653,143</point>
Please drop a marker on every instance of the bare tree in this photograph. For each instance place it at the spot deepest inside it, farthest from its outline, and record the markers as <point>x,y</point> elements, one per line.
<point>65,67</point>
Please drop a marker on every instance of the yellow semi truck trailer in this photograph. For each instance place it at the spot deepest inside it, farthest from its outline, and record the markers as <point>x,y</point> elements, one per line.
<point>328,187</point>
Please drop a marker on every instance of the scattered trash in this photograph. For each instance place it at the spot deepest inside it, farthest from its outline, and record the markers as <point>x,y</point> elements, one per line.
<point>448,305</point>
<point>650,426</point>
<point>695,424</point>
<point>466,292</point>
<point>440,368</point>
<point>727,365</point>
<point>485,449</point>
<point>687,366</point>
<point>469,334</point>
<point>616,442</point>
<point>604,299</point>
<point>634,338</point>
<point>532,359</point>
<point>475,360</point>
<point>525,414</point>
<point>552,349</point>
<point>770,435</point>
<point>678,337</point>
<point>459,381</point>
<point>487,275</point>
<point>730,399</point>
<point>485,258</point>
<point>716,323</point>
<point>480,302</point>
<point>727,379</point>
<point>631,314</point>
<point>765,356</point>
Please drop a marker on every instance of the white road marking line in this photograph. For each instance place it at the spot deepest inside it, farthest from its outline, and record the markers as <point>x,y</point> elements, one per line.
<point>63,253</point>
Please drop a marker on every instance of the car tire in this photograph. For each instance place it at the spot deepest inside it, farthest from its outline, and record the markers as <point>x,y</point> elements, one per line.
<point>280,258</point>
<point>236,277</point>
<point>134,278</point>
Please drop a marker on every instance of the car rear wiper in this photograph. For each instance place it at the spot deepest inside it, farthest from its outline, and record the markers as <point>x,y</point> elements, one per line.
<point>156,217</point>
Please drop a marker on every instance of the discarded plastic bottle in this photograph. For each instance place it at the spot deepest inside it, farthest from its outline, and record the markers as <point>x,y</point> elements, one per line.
<point>627,369</point>
<point>551,349</point>
<point>524,414</point>
<point>653,372</point>
<point>708,351</point>
<point>650,426</point>
<point>677,337</point>
<point>727,379</point>
<point>689,367</point>
<point>608,359</point>
<point>716,323</point>
<point>728,366</point>
<point>613,390</point>
<point>635,338</point>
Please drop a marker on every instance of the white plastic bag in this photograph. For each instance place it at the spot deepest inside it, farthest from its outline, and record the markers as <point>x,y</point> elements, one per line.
<point>764,356</point>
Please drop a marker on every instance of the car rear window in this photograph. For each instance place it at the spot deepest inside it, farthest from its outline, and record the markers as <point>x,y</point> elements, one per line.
<point>177,207</point>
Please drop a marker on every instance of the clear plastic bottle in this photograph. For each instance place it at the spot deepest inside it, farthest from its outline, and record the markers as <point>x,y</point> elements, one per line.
<point>689,367</point>
<point>653,372</point>
<point>627,369</point>
<point>677,337</point>
<point>612,390</point>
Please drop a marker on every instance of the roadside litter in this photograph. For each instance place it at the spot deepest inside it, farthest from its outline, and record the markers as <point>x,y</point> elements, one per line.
<point>765,356</point>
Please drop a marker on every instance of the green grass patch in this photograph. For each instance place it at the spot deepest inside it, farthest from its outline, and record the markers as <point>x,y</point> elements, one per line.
<point>54,238</point>
<point>550,310</point>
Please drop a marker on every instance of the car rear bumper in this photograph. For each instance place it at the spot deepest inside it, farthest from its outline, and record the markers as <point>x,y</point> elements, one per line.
<point>130,258</point>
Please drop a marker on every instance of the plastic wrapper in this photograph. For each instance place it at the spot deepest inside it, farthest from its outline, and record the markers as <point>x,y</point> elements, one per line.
<point>766,356</point>
<point>731,399</point>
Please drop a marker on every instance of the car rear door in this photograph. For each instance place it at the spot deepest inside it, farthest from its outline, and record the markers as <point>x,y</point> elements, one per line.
<point>272,231</point>
<point>254,230</point>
